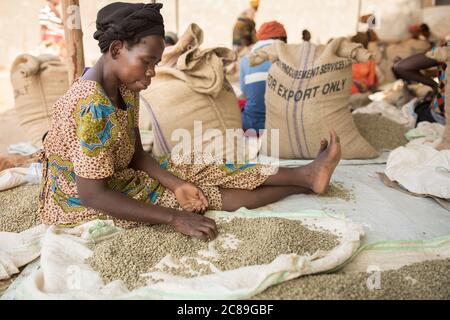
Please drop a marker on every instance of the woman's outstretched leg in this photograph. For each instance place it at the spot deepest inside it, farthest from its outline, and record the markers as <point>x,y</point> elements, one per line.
<point>233,199</point>
<point>314,176</point>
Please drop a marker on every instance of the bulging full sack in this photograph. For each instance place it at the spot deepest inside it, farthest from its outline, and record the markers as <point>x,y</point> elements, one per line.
<point>307,95</point>
<point>443,54</point>
<point>37,82</point>
<point>190,103</point>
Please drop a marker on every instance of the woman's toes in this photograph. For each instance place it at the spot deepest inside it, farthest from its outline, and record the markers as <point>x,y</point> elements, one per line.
<point>323,146</point>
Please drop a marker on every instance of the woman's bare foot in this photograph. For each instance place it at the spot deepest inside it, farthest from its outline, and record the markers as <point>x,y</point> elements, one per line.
<point>323,146</point>
<point>321,169</point>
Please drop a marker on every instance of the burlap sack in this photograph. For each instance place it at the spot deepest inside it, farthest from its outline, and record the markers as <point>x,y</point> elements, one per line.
<point>443,54</point>
<point>192,92</point>
<point>37,82</point>
<point>406,48</point>
<point>359,100</point>
<point>145,119</point>
<point>308,94</point>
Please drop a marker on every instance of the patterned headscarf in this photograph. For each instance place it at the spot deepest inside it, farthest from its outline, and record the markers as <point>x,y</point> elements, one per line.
<point>127,21</point>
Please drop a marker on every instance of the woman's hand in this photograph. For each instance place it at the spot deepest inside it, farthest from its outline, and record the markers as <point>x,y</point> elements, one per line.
<point>195,225</point>
<point>191,198</point>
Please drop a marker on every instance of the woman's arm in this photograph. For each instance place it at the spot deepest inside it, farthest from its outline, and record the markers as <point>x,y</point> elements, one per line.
<point>97,195</point>
<point>145,162</point>
<point>190,197</point>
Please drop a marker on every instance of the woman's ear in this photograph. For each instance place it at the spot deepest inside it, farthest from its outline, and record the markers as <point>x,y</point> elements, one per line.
<point>115,48</point>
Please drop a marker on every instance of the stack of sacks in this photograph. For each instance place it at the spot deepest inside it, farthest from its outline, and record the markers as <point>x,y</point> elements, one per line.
<point>38,82</point>
<point>308,94</point>
<point>190,102</point>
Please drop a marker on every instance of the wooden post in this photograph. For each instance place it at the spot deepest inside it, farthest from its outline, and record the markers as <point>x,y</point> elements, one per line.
<point>359,15</point>
<point>177,17</point>
<point>73,38</point>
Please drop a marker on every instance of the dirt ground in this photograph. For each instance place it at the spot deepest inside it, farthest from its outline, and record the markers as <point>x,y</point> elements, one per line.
<point>10,131</point>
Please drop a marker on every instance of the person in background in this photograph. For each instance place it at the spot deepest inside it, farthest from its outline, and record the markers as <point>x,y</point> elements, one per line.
<point>365,38</point>
<point>431,107</point>
<point>244,31</point>
<point>414,30</point>
<point>253,79</point>
<point>244,36</point>
<point>306,35</point>
<point>426,34</point>
<point>364,74</point>
<point>423,32</point>
<point>52,28</point>
<point>170,38</point>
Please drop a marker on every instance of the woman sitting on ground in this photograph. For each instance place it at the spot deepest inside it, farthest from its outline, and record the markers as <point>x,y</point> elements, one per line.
<point>94,164</point>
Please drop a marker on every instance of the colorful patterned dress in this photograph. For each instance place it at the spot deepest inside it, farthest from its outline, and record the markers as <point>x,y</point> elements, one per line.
<point>90,138</point>
<point>438,103</point>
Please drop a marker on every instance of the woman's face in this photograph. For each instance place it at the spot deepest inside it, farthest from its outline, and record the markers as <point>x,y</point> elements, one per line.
<point>135,66</point>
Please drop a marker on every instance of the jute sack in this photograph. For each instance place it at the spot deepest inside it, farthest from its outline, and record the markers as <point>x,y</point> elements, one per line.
<point>145,119</point>
<point>37,82</point>
<point>190,99</point>
<point>359,100</point>
<point>308,94</point>
<point>406,48</point>
<point>378,50</point>
<point>443,54</point>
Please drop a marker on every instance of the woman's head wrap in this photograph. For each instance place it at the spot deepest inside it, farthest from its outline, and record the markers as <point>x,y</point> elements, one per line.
<point>414,28</point>
<point>128,21</point>
<point>254,4</point>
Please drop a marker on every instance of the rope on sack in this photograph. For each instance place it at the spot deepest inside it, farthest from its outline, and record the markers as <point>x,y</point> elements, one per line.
<point>309,60</point>
<point>299,146</point>
<point>157,128</point>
